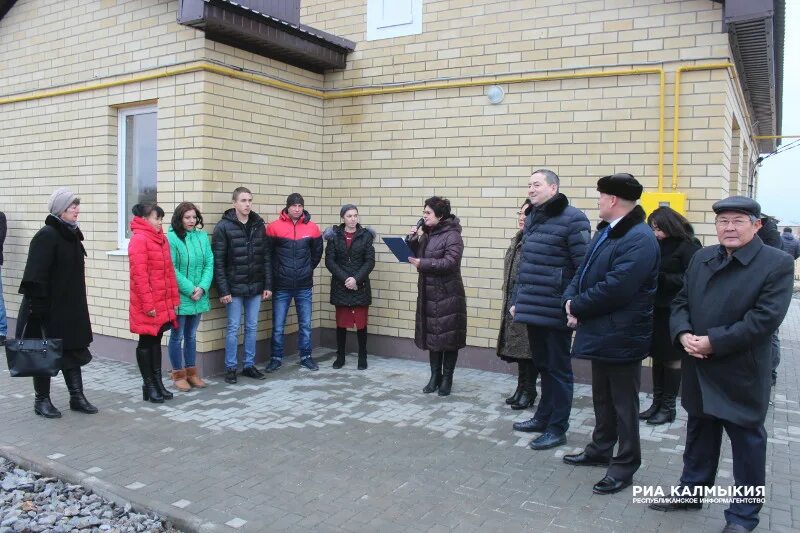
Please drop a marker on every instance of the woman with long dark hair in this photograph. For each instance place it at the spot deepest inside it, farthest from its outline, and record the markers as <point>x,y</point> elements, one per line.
<point>350,257</point>
<point>194,269</point>
<point>154,295</point>
<point>54,300</point>
<point>512,341</point>
<point>678,244</point>
<point>441,317</point>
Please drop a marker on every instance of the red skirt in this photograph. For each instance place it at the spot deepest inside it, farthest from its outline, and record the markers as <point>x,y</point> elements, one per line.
<point>348,317</point>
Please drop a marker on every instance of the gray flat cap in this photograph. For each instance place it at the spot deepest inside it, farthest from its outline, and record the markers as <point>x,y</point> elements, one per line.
<point>742,204</point>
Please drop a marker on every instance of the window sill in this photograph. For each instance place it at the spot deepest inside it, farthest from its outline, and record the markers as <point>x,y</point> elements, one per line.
<point>117,252</point>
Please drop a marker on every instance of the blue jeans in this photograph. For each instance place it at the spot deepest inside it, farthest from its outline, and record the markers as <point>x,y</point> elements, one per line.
<point>251,306</point>
<point>186,332</point>
<point>280,308</point>
<point>3,319</point>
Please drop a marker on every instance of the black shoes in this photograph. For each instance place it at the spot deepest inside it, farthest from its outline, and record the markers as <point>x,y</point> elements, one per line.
<point>150,392</point>
<point>610,485</point>
<point>686,504</point>
<point>436,372</point>
<point>533,425</point>
<point>449,360</point>
<point>362,361</point>
<point>272,366</point>
<point>339,362</point>
<point>42,405</point>
<point>514,398</point>
<point>155,354</point>
<point>252,372</point>
<point>230,376</point>
<point>77,401</point>
<point>581,459</point>
<point>545,441</point>
<point>309,363</point>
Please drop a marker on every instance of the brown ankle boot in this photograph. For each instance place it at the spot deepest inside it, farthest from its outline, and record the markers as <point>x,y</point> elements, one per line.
<point>194,379</point>
<point>179,380</point>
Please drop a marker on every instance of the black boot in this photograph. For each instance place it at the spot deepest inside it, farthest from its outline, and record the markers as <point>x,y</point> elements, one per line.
<point>514,398</point>
<point>436,372</point>
<point>341,339</point>
<point>156,363</point>
<point>528,395</point>
<point>42,405</point>
<point>77,401</point>
<point>666,414</point>
<point>448,367</point>
<point>362,348</point>
<point>658,388</point>
<point>149,390</point>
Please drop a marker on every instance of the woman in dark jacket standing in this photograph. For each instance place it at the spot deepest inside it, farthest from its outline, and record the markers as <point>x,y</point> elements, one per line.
<point>677,244</point>
<point>54,289</point>
<point>512,341</point>
<point>350,257</point>
<point>441,318</point>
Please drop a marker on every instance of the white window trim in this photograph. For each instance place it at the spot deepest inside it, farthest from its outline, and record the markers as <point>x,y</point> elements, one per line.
<point>377,31</point>
<point>122,240</point>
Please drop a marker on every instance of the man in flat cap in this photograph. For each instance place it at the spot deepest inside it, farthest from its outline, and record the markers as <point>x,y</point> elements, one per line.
<point>734,296</point>
<point>610,301</point>
<point>553,245</point>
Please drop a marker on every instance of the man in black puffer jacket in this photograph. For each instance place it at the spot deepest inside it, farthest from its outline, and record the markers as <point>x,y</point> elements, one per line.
<point>243,273</point>
<point>610,300</point>
<point>296,251</point>
<point>553,245</point>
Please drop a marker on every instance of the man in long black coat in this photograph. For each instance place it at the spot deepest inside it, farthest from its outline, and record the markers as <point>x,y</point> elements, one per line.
<point>734,296</point>
<point>610,300</point>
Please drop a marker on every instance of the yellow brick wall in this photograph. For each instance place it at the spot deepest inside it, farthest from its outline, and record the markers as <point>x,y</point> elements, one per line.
<point>387,152</point>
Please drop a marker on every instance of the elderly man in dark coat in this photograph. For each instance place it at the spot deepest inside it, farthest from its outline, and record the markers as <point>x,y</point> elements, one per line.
<point>734,296</point>
<point>553,245</point>
<point>610,301</point>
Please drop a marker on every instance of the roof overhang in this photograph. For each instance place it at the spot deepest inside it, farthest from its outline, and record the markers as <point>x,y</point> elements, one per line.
<point>756,32</point>
<point>5,5</point>
<point>240,25</point>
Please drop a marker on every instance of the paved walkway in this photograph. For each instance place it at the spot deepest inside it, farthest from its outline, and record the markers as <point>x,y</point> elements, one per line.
<point>357,450</point>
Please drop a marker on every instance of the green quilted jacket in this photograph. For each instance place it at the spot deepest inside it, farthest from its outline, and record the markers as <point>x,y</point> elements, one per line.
<point>194,267</point>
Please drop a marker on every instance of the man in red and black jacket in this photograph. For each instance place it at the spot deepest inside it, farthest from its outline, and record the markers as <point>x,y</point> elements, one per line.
<point>296,252</point>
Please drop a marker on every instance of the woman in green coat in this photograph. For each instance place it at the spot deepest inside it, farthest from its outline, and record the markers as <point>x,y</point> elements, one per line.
<point>194,270</point>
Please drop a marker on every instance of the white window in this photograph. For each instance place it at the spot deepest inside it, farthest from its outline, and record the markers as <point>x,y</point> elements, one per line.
<point>393,18</point>
<point>137,162</point>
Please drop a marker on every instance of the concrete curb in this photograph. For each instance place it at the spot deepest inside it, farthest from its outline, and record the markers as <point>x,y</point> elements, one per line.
<point>183,520</point>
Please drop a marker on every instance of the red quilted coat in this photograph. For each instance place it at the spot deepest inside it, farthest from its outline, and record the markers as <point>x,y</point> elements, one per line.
<point>153,284</point>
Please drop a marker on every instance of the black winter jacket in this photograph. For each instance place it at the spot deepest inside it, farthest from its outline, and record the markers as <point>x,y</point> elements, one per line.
<point>613,300</point>
<point>241,256</point>
<point>3,229</point>
<point>553,245</point>
<point>356,261</point>
<point>54,283</point>
<point>675,256</point>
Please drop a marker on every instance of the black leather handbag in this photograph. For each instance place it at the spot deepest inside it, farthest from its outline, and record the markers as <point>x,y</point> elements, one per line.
<point>34,357</point>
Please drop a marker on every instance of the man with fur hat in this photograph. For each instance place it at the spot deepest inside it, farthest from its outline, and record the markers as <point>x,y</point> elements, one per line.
<point>610,301</point>
<point>296,252</point>
<point>734,296</point>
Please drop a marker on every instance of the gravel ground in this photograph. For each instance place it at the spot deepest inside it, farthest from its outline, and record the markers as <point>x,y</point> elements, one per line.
<point>30,502</point>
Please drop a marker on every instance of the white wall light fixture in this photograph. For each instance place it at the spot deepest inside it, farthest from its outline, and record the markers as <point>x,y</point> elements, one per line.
<point>495,94</point>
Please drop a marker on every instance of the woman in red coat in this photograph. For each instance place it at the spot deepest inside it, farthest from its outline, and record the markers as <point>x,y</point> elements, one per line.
<point>154,295</point>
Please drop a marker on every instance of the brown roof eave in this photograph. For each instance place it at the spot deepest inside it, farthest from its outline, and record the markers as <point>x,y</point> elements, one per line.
<point>5,5</point>
<point>296,44</point>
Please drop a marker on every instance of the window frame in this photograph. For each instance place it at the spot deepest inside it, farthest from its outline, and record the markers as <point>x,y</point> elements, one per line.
<point>375,32</point>
<point>122,115</point>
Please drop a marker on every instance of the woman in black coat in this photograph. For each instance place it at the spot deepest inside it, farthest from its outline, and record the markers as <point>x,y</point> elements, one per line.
<point>441,317</point>
<point>54,298</point>
<point>677,244</point>
<point>513,345</point>
<point>350,257</point>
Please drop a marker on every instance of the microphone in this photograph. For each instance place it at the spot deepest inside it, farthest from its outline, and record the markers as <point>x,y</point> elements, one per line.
<point>420,223</point>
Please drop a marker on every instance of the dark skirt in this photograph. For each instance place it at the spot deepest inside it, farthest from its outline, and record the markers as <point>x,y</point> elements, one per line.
<point>662,348</point>
<point>349,317</point>
<point>75,358</point>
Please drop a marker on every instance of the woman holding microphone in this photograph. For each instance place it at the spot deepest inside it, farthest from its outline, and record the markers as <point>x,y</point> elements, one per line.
<point>441,317</point>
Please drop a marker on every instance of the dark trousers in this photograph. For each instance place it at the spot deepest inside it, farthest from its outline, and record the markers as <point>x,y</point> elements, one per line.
<point>615,394</point>
<point>550,349</point>
<point>701,458</point>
